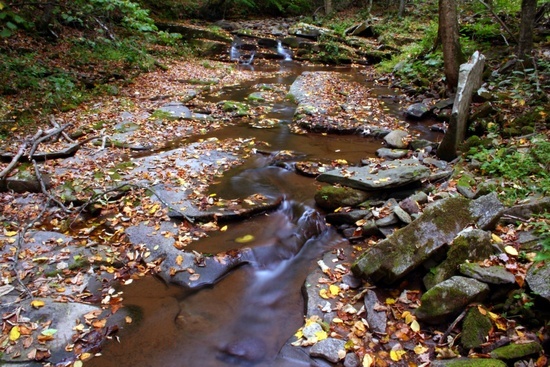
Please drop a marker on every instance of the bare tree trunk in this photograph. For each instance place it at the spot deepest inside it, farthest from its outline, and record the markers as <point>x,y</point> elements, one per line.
<point>525,43</point>
<point>448,31</point>
<point>401,8</point>
<point>328,7</point>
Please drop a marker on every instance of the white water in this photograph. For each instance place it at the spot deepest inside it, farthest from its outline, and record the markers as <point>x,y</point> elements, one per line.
<point>283,52</point>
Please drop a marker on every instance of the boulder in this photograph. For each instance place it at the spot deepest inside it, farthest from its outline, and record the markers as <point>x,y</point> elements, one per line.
<point>470,244</point>
<point>468,362</point>
<point>331,197</point>
<point>475,329</point>
<point>377,319</point>
<point>487,210</point>
<point>417,110</point>
<point>385,175</point>
<point>516,351</point>
<point>391,153</point>
<point>495,274</point>
<point>449,298</point>
<point>308,30</point>
<point>397,139</point>
<point>538,279</point>
<point>329,349</point>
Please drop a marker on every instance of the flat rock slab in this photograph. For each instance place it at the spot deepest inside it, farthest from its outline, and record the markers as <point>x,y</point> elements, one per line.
<point>386,175</point>
<point>538,279</point>
<point>328,102</point>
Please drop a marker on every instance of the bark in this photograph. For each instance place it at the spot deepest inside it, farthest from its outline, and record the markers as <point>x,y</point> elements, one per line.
<point>448,31</point>
<point>401,8</point>
<point>328,7</point>
<point>525,43</point>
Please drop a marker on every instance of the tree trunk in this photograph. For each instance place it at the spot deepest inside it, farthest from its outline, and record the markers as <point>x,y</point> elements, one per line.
<point>328,7</point>
<point>525,43</point>
<point>401,8</point>
<point>448,31</point>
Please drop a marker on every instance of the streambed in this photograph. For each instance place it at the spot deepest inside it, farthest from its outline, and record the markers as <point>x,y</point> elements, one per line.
<point>246,318</point>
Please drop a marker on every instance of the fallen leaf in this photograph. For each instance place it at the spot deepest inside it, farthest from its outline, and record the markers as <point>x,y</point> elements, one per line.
<point>511,250</point>
<point>37,303</point>
<point>415,326</point>
<point>14,333</point>
<point>396,355</point>
<point>368,360</point>
<point>245,239</point>
<point>334,289</point>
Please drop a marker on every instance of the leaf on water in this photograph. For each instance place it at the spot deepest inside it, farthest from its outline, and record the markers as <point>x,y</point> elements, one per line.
<point>245,239</point>
<point>223,229</point>
<point>396,355</point>
<point>37,303</point>
<point>14,333</point>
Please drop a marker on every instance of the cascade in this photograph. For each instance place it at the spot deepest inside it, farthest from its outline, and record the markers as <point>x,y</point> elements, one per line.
<point>282,51</point>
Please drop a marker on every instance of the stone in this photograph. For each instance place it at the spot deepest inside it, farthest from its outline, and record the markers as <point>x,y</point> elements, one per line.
<point>409,205</point>
<point>385,175</point>
<point>448,298</point>
<point>407,248</point>
<point>487,211</point>
<point>348,217</point>
<point>469,80</point>
<point>388,220</point>
<point>435,162</point>
<point>352,360</point>
<point>397,139</point>
<point>468,362</point>
<point>308,30</point>
<point>492,274</point>
<point>330,197</point>
<point>516,351</point>
<point>377,320</point>
<point>470,244</point>
<point>391,153</point>
<point>528,210</point>
<point>475,329</point>
<point>328,349</point>
<point>538,279</point>
<point>417,110</point>
<point>402,215</point>
<point>177,110</point>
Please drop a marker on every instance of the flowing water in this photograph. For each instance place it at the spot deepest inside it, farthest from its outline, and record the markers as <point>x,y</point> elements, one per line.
<point>246,318</point>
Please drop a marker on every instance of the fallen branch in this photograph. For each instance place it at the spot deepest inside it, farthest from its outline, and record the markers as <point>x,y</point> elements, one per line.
<point>63,133</point>
<point>45,190</point>
<point>18,156</point>
<point>46,137</point>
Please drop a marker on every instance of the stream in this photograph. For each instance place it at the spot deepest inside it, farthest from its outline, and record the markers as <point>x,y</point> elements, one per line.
<point>247,317</point>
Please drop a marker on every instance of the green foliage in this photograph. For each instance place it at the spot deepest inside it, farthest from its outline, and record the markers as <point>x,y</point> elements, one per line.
<point>11,21</point>
<point>523,170</point>
<point>541,226</point>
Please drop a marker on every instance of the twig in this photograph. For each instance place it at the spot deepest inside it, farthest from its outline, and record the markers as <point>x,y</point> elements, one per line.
<point>45,137</point>
<point>14,161</point>
<point>443,340</point>
<point>45,191</point>
<point>63,133</point>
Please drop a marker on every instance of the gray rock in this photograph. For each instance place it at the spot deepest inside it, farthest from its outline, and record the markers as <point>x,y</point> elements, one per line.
<point>177,110</point>
<point>527,210</point>
<point>429,161</point>
<point>388,175</point>
<point>470,77</point>
<point>402,215</point>
<point>391,153</point>
<point>475,329</point>
<point>417,110</point>
<point>410,206</point>
<point>329,197</point>
<point>471,244</point>
<point>407,248</point>
<point>449,298</point>
<point>308,30</point>
<point>388,220</point>
<point>487,210</point>
<point>328,349</point>
<point>377,320</point>
<point>348,217</point>
<point>492,274</point>
<point>352,360</point>
<point>538,279</point>
<point>370,229</point>
<point>397,139</point>
<point>420,197</point>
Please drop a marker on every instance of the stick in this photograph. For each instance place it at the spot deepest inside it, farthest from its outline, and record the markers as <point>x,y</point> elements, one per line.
<point>45,137</point>
<point>45,191</point>
<point>14,161</point>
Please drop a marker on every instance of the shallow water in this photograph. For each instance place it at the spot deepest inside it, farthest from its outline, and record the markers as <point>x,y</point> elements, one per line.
<point>246,318</point>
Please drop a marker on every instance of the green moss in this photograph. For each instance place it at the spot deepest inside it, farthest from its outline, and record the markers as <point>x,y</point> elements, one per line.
<point>516,351</point>
<point>474,362</point>
<point>332,197</point>
<point>475,329</point>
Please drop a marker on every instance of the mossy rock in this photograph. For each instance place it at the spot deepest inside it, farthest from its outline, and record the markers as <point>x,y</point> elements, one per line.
<point>516,351</point>
<point>475,329</point>
<point>238,108</point>
<point>469,362</point>
<point>331,197</point>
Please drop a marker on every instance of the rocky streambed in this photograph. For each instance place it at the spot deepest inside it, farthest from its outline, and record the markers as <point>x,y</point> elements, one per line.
<point>267,224</point>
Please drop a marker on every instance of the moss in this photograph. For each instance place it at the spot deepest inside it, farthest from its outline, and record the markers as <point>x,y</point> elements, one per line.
<point>332,197</point>
<point>475,329</point>
<point>475,362</point>
<point>516,351</point>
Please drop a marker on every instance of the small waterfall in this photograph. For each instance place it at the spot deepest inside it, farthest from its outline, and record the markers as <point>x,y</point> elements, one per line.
<point>234,53</point>
<point>282,51</point>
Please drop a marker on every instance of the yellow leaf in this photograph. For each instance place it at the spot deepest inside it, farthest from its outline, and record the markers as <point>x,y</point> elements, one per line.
<point>390,301</point>
<point>245,239</point>
<point>10,233</point>
<point>78,364</point>
<point>419,349</point>
<point>154,209</point>
<point>368,360</point>
<point>334,289</point>
<point>299,334</point>
<point>511,250</point>
<point>409,317</point>
<point>415,326</point>
<point>321,335</point>
<point>495,238</point>
<point>179,259</point>
<point>493,315</point>
<point>396,355</point>
<point>14,333</point>
<point>86,356</point>
<point>482,310</point>
<point>37,303</point>
<point>323,293</point>
<point>223,229</point>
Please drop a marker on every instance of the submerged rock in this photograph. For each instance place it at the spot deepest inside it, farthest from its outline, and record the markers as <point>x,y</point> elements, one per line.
<point>449,298</point>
